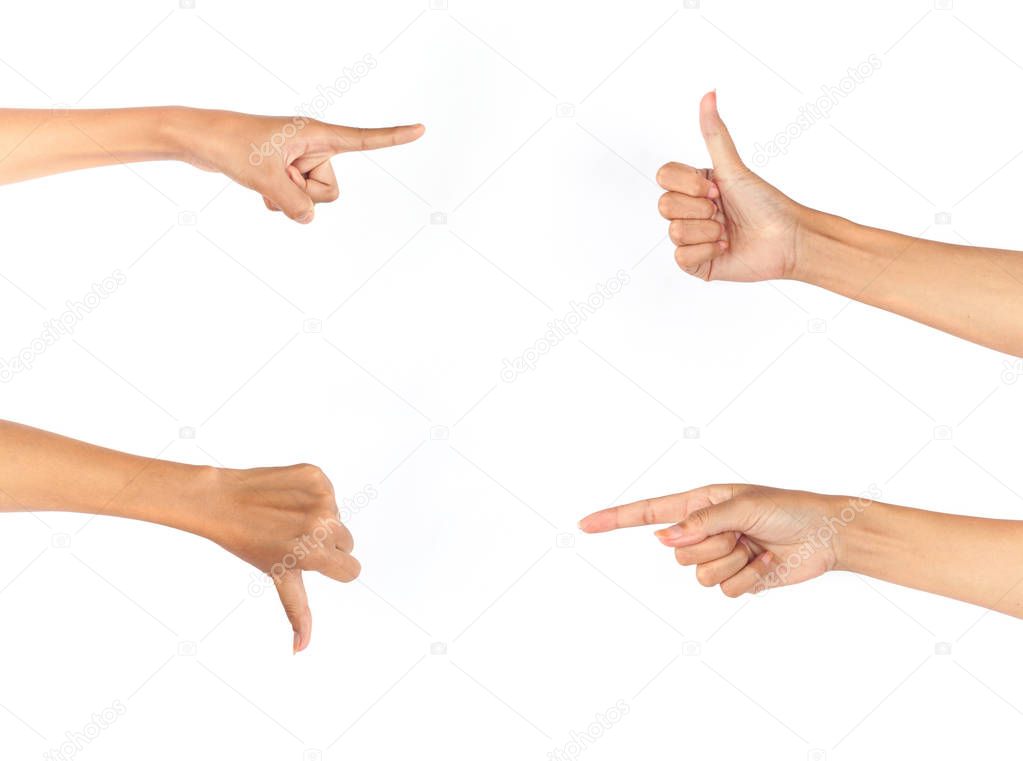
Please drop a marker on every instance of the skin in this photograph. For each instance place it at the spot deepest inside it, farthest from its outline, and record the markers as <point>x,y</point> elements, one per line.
<point>281,520</point>
<point>284,159</point>
<point>729,224</point>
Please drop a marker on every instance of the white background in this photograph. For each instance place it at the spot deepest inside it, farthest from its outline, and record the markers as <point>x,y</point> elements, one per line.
<point>477,478</point>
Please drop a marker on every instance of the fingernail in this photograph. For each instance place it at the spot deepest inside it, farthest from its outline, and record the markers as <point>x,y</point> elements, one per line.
<point>296,643</point>
<point>305,220</point>
<point>672,532</point>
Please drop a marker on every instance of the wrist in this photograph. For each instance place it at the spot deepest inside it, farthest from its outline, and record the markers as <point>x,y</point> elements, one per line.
<point>185,497</point>
<point>866,535</point>
<point>181,131</point>
<point>817,233</point>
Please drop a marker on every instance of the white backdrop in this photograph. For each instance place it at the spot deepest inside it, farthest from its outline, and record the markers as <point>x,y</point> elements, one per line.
<point>372,343</point>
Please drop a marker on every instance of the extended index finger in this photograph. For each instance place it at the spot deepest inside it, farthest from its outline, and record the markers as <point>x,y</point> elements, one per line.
<point>669,509</point>
<point>370,138</point>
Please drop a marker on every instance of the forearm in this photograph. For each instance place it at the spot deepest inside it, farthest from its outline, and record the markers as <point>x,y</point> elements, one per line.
<point>44,471</point>
<point>974,293</point>
<point>34,143</point>
<point>978,560</point>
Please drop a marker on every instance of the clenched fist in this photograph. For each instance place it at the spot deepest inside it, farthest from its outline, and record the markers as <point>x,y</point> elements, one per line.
<point>283,521</point>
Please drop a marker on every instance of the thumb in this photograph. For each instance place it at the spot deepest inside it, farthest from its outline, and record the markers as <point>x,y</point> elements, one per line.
<point>733,515</point>
<point>292,198</point>
<point>715,134</point>
<point>296,607</point>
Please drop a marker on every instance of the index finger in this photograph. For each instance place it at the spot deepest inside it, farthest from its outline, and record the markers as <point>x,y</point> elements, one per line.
<point>682,178</point>
<point>670,509</point>
<point>370,138</point>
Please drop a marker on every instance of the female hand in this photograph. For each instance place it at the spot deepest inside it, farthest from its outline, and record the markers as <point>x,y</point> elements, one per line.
<point>741,537</point>
<point>728,223</point>
<point>285,159</point>
<point>284,521</point>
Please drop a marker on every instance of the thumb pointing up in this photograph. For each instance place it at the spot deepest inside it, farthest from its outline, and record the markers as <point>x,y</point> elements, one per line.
<point>715,134</point>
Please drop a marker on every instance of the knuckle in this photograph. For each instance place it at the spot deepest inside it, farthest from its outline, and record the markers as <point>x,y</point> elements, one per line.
<point>664,204</point>
<point>697,520</point>
<point>662,174</point>
<point>332,193</point>
<point>649,515</point>
<point>677,231</point>
<point>683,556</point>
<point>354,570</point>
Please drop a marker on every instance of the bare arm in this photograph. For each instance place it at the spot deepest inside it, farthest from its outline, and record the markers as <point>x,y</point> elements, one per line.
<point>281,520</point>
<point>38,142</point>
<point>970,292</point>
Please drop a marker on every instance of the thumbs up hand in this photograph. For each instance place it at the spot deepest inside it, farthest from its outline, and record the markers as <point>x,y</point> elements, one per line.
<point>728,223</point>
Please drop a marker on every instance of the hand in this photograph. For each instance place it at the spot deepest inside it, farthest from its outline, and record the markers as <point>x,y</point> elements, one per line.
<point>284,521</point>
<point>745,538</point>
<point>285,159</point>
<point>727,223</point>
